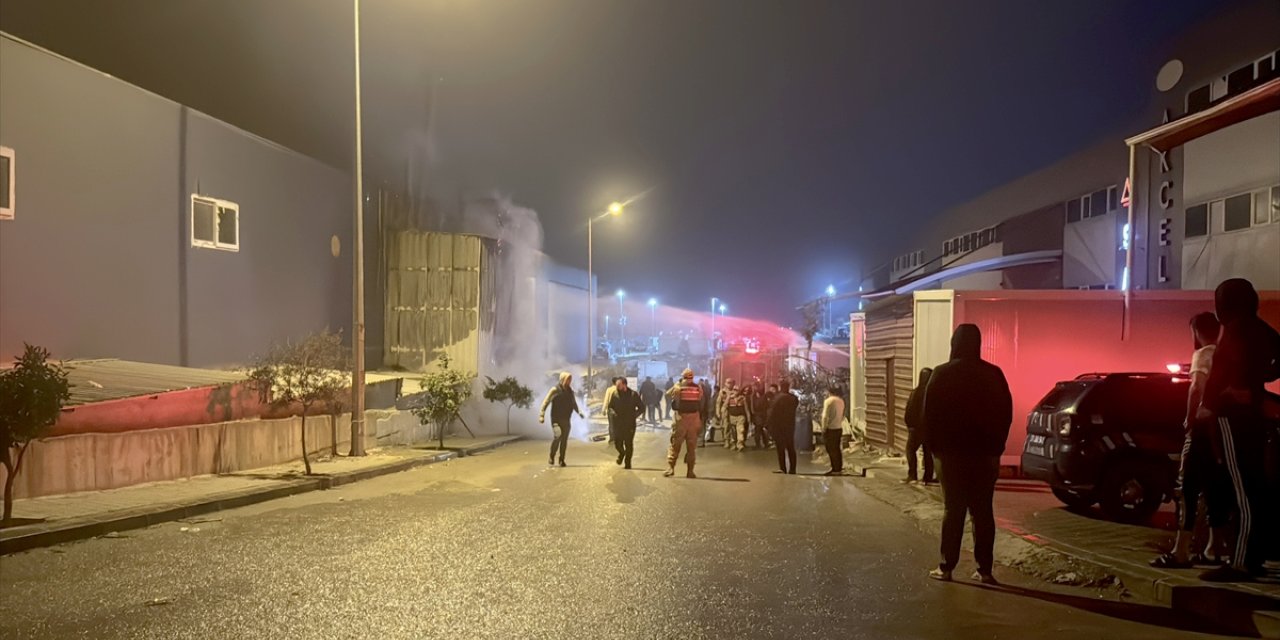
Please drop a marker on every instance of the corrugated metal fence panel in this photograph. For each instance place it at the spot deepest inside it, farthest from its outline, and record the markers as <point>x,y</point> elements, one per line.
<point>433,300</point>
<point>889,337</point>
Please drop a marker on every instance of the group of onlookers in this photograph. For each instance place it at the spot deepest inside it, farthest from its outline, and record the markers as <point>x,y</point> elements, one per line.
<point>960,414</point>
<point>1231,423</point>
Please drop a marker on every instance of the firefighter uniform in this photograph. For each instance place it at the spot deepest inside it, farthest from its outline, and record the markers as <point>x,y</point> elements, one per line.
<point>687,400</point>
<point>735,412</point>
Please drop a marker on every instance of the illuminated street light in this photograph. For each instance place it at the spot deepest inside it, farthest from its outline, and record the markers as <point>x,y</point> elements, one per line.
<point>831,290</point>
<point>723,308</point>
<point>622,320</point>
<point>653,316</point>
<point>615,209</point>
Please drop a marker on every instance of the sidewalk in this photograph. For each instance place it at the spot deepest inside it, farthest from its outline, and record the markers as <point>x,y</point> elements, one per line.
<point>76,516</point>
<point>1040,536</point>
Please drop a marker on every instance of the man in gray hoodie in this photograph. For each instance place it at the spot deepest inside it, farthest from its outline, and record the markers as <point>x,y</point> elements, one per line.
<point>967,413</point>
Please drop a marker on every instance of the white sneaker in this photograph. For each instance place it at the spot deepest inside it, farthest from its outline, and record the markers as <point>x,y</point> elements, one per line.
<point>940,575</point>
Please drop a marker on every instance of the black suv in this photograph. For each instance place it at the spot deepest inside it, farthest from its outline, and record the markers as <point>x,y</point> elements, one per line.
<point>1114,439</point>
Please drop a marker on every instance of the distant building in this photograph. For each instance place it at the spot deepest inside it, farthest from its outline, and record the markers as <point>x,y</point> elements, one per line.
<point>137,228</point>
<point>1204,211</point>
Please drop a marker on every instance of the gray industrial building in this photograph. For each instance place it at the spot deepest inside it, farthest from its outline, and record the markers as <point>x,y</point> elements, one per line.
<point>140,229</point>
<point>1204,211</point>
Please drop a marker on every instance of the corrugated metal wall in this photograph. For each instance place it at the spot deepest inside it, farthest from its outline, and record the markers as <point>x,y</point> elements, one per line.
<point>889,337</point>
<point>438,300</point>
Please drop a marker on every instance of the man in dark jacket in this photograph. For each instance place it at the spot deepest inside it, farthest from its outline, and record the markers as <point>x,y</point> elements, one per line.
<point>625,407</point>
<point>1243,362</point>
<point>967,413</point>
<point>760,413</point>
<point>652,398</point>
<point>563,405</point>
<point>914,418</point>
<point>782,425</point>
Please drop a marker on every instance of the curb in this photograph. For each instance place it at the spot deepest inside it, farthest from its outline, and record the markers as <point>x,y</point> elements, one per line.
<point>1238,610</point>
<point>74,529</point>
<point>471,450</point>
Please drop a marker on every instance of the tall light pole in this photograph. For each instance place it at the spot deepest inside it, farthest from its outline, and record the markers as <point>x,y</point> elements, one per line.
<point>357,253</point>
<point>622,320</point>
<point>714,300</point>
<point>615,209</point>
<point>653,317</point>
<point>831,293</point>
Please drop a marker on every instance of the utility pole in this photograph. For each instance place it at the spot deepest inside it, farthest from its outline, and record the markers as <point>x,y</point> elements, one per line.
<point>357,252</point>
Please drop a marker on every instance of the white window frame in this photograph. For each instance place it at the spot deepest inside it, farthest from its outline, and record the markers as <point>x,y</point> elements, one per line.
<point>7,213</point>
<point>217,204</point>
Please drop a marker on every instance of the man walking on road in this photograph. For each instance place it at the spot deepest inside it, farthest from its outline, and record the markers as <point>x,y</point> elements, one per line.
<point>735,413</point>
<point>652,398</point>
<point>686,399</point>
<point>563,406</point>
<point>624,409</point>
<point>967,413</point>
<point>832,428</point>
<point>669,404</point>
<point>782,425</point>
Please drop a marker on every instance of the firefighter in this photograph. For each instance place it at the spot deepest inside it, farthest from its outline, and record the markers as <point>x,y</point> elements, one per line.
<point>735,414</point>
<point>687,400</point>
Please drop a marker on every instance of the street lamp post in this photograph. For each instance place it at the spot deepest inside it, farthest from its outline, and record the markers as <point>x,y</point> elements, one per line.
<point>714,300</point>
<point>653,317</point>
<point>357,256</point>
<point>622,321</point>
<point>615,209</point>
<point>831,293</point>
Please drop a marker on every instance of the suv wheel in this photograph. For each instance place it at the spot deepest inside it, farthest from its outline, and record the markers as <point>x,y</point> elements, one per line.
<point>1074,501</point>
<point>1131,490</point>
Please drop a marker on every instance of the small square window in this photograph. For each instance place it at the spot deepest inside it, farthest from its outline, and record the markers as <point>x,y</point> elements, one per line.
<point>1098,203</point>
<point>1198,99</point>
<point>1275,203</point>
<point>1239,212</point>
<point>1197,223</point>
<point>1240,80</point>
<point>1113,198</point>
<point>6,183</point>
<point>1266,67</point>
<point>1085,209</point>
<point>215,224</point>
<point>1163,269</point>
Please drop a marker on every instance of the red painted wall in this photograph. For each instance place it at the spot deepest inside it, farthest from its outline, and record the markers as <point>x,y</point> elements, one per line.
<point>175,408</point>
<point>1041,340</point>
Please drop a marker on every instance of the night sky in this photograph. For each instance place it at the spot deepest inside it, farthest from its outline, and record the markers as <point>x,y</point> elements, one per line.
<point>787,144</point>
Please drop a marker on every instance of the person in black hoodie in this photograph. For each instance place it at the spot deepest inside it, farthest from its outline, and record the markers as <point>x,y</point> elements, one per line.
<point>782,425</point>
<point>967,413</point>
<point>624,409</point>
<point>1246,359</point>
<point>915,431</point>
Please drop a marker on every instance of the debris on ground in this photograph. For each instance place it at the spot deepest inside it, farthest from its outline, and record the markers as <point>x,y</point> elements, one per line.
<point>112,534</point>
<point>155,602</point>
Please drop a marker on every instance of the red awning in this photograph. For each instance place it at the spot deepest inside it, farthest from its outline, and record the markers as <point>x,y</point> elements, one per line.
<point>1255,102</point>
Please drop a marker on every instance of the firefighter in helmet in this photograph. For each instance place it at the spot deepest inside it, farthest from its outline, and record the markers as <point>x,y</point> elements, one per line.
<point>686,397</point>
<point>735,413</point>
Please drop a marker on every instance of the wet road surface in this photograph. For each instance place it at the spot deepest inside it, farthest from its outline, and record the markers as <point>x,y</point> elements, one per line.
<point>501,546</point>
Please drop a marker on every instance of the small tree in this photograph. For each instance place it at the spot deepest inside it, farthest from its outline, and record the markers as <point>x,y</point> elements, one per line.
<point>812,317</point>
<point>32,395</point>
<point>302,373</point>
<point>508,391</point>
<point>443,394</point>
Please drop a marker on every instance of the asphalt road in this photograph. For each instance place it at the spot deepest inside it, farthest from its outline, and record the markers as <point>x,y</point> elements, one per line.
<point>500,546</point>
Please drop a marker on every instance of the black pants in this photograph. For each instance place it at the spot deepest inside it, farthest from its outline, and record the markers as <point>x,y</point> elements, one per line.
<point>559,440</point>
<point>831,440</point>
<point>762,436</point>
<point>968,487</point>
<point>786,450</point>
<point>1201,474</point>
<point>915,442</point>
<point>624,440</point>
<point>1243,452</point>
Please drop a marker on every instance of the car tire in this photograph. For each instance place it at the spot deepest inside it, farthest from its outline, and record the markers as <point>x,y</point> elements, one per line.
<point>1131,490</point>
<point>1074,501</point>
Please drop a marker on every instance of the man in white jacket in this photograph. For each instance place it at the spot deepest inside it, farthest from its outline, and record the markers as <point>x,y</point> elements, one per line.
<point>832,429</point>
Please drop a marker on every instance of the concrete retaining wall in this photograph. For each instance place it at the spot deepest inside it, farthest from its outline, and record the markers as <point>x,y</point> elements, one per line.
<point>96,461</point>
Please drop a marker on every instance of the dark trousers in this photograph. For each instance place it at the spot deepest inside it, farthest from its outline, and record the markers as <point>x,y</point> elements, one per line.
<point>831,440</point>
<point>762,436</point>
<point>1201,474</point>
<point>786,443</point>
<point>652,411</point>
<point>968,487</point>
<point>559,440</point>
<point>915,442</point>
<point>1244,455</point>
<point>624,440</point>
